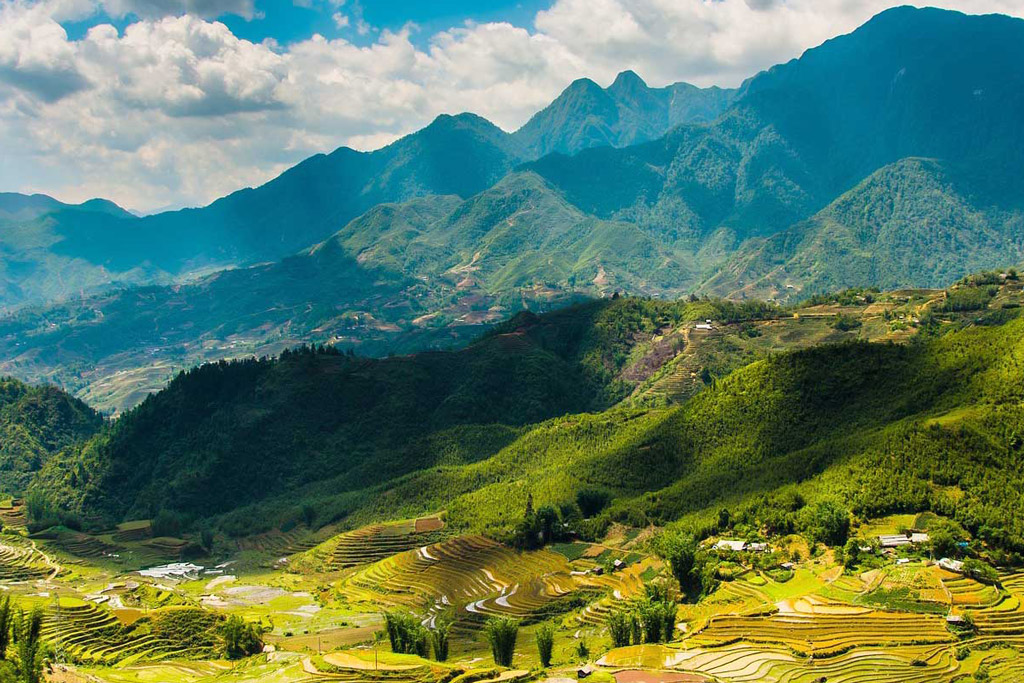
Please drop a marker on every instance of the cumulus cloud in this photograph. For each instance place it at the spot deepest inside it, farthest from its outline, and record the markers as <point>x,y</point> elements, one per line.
<point>175,109</point>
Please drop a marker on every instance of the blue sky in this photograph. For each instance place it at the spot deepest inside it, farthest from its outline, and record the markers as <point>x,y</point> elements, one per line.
<point>288,21</point>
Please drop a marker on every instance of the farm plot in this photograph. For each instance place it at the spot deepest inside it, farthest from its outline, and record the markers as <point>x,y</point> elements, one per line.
<point>472,573</point>
<point>22,562</point>
<point>137,530</point>
<point>84,546</point>
<point>86,633</point>
<point>13,516</point>
<point>277,542</point>
<point>372,543</point>
<point>826,634</point>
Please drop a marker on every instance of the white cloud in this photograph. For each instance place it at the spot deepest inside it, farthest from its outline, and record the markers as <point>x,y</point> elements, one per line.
<point>178,110</point>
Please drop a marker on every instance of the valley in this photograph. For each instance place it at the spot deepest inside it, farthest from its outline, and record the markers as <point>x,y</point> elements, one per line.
<point>727,458</point>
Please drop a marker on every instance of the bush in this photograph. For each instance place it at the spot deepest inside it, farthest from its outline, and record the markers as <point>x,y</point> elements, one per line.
<point>545,643</point>
<point>501,634</point>
<point>240,638</point>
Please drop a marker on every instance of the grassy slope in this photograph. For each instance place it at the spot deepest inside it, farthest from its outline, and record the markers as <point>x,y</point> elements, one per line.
<point>855,420</point>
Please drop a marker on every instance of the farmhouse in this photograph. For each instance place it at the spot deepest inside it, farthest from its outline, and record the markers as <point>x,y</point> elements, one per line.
<point>951,565</point>
<point>731,546</point>
<point>896,540</point>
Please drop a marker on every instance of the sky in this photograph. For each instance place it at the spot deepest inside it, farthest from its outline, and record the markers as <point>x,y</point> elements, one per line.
<point>167,103</point>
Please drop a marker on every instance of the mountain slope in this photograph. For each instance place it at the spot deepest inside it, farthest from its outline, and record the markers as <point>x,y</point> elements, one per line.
<point>913,223</point>
<point>35,265</point>
<point>880,428</point>
<point>97,244</point>
<point>910,82</point>
<point>254,428</point>
<point>35,424</point>
<point>427,272</point>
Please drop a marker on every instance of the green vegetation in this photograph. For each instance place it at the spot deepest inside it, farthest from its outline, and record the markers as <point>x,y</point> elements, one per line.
<point>36,423</point>
<point>545,643</point>
<point>241,639</point>
<point>501,634</point>
<point>406,634</point>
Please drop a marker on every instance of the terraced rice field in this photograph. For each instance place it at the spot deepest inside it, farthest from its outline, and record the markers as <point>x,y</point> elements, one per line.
<point>744,663</point>
<point>968,592</point>
<point>13,516</point>
<point>372,543</point>
<point>478,576</point>
<point>826,634</point>
<point>20,561</point>
<point>128,532</point>
<point>279,543</point>
<point>86,633</point>
<point>86,546</point>
<point>622,585</point>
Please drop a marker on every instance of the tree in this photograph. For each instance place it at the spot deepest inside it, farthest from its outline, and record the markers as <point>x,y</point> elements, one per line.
<point>406,634</point>
<point>30,649</point>
<point>691,566</point>
<point>723,519</point>
<point>6,624</point>
<point>944,537</point>
<point>545,643</point>
<point>851,553</point>
<point>439,638</point>
<point>620,627</point>
<point>240,638</point>
<point>206,539</point>
<point>501,633</point>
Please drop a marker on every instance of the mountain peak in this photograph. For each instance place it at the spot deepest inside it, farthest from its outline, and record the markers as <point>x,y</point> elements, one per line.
<point>628,80</point>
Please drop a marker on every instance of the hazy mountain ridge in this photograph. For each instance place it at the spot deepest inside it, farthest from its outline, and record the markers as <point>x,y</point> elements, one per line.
<point>761,201</point>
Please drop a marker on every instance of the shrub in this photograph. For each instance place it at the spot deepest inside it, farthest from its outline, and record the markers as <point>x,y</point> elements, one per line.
<point>545,643</point>
<point>6,623</point>
<point>30,646</point>
<point>501,634</point>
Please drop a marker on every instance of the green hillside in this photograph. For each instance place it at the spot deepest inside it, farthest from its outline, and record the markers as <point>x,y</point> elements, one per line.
<point>912,223</point>
<point>410,435</point>
<point>35,424</point>
<point>880,427</point>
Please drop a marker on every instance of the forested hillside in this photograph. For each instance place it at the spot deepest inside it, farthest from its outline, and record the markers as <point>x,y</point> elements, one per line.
<point>360,439</point>
<point>35,424</point>
<point>912,223</point>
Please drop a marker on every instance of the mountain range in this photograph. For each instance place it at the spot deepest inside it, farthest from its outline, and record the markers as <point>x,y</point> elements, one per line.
<point>889,157</point>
